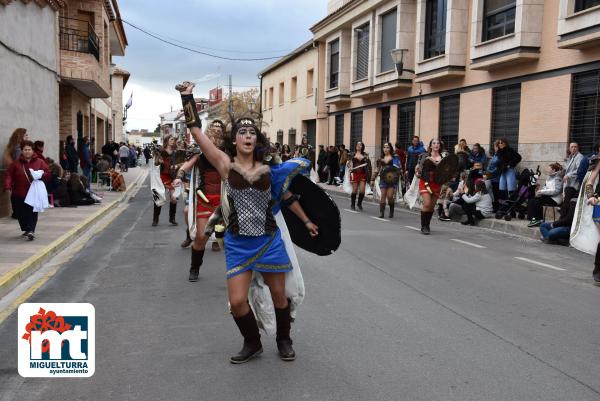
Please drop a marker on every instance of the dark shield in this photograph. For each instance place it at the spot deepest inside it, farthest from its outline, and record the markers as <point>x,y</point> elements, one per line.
<point>446,169</point>
<point>322,211</point>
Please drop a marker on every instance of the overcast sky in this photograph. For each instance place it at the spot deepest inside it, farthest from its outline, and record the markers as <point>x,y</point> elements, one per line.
<point>230,28</point>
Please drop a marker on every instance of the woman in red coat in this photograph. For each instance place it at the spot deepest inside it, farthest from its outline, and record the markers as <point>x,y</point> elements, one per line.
<point>17,181</point>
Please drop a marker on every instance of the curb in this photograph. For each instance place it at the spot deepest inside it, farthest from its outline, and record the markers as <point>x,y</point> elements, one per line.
<point>30,265</point>
<point>490,223</point>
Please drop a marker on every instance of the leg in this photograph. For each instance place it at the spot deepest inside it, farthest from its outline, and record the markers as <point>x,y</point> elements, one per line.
<point>237,289</point>
<point>276,283</point>
<point>545,229</point>
<point>353,196</point>
<point>188,240</point>
<point>429,201</point>
<point>156,214</point>
<point>198,249</point>
<point>391,194</point>
<point>172,211</point>
<point>559,234</point>
<point>596,272</point>
<point>361,194</point>
<point>17,206</point>
<point>469,209</point>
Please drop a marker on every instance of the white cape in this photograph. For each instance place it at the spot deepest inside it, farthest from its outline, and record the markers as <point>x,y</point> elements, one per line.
<point>37,196</point>
<point>584,232</point>
<point>159,192</point>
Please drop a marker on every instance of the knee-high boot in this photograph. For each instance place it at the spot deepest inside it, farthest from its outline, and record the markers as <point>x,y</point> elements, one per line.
<point>197,259</point>
<point>361,196</point>
<point>284,342</point>
<point>172,213</point>
<point>188,240</point>
<point>155,215</point>
<point>596,272</point>
<point>391,205</point>
<point>425,220</point>
<point>381,210</point>
<point>252,345</point>
<point>353,201</point>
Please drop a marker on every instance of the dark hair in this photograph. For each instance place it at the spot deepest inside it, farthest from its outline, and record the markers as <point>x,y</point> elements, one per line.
<point>416,136</point>
<point>27,143</point>
<point>480,187</point>
<point>70,139</point>
<point>362,149</point>
<point>504,141</point>
<point>38,144</point>
<point>391,149</point>
<point>596,147</point>
<point>442,145</point>
<point>556,166</point>
<point>262,143</point>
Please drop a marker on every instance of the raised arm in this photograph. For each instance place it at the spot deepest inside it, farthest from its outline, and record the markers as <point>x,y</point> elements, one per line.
<point>215,156</point>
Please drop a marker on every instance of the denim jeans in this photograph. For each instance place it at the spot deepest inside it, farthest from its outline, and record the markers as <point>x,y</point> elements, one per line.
<point>554,234</point>
<point>508,180</point>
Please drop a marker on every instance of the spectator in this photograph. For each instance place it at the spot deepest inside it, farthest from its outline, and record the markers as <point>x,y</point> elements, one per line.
<point>124,157</point>
<point>13,148</point>
<point>492,174</point>
<point>463,153</point>
<point>595,151</point>
<point>321,164</point>
<point>286,153</point>
<point>17,181</point>
<point>401,153</point>
<point>38,148</point>
<point>343,152</point>
<point>147,154</point>
<point>56,173</point>
<point>416,149</point>
<point>559,230</point>
<point>570,179</point>
<point>508,159</point>
<point>478,158</point>
<point>72,156</point>
<point>333,164</point>
<point>62,155</point>
<point>479,205</point>
<point>133,156</point>
<point>77,192</point>
<point>85,158</point>
<point>549,195</point>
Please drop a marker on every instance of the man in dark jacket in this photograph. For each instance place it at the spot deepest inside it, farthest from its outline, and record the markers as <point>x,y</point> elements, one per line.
<point>321,163</point>
<point>559,230</point>
<point>412,158</point>
<point>72,156</point>
<point>85,157</point>
<point>333,163</point>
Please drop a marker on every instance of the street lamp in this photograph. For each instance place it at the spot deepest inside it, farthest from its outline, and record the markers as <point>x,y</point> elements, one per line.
<point>398,59</point>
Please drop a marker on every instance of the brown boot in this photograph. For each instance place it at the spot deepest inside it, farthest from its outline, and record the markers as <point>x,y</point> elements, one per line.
<point>252,345</point>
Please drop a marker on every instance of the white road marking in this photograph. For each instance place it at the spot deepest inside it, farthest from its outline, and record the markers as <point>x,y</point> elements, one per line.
<point>468,243</point>
<point>413,228</point>
<point>351,211</point>
<point>535,262</point>
<point>378,218</point>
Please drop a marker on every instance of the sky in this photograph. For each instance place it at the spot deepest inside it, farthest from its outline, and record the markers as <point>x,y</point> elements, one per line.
<point>229,28</point>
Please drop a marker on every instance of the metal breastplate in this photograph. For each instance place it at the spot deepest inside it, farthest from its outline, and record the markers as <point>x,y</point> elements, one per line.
<point>250,205</point>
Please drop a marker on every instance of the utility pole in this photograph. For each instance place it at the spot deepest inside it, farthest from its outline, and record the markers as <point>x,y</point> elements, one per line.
<point>230,97</point>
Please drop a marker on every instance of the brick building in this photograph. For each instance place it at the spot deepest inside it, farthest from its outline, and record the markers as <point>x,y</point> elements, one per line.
<point>528,70</point>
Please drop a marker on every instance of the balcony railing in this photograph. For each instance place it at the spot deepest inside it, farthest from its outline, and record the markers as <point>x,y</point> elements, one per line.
<point>79,36</point>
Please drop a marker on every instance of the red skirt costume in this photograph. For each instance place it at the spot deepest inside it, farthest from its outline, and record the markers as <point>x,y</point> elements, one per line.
<point>211,187</point>
<point>433,186</point>
<point>360,174</point>
<point>166,173</point>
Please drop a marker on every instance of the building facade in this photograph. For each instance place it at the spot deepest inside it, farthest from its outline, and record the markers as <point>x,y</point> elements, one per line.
<point>527,70</point>
<point>290,98</point>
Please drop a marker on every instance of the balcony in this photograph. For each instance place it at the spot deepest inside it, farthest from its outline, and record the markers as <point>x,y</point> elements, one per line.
<point>80,60</point>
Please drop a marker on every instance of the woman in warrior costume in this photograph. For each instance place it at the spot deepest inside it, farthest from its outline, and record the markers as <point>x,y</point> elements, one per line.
<point>388,169</point>
<point>428,188</point>
<point>360,171</point>
<point>286,153</point>
<point>593,198</point>
<point>168,170</point>
<point>253,241</point>
<point>208,196</point>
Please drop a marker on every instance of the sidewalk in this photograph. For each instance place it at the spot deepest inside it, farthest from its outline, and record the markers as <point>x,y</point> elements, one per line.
<point>56,229</point>
<point>514,227</point>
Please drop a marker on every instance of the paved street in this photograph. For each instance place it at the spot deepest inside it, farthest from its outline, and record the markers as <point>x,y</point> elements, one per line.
<point>393,315</point>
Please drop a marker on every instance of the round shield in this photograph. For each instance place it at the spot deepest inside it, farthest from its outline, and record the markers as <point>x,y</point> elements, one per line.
<point>446,169</point>
<point>322,211</point>
<point>390,175</point>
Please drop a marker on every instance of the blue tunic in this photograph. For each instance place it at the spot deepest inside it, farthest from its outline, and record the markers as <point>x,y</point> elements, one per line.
<point>264,253</point>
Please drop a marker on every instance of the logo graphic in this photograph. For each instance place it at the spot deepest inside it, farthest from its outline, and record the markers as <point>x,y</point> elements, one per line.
<point>56,340</point>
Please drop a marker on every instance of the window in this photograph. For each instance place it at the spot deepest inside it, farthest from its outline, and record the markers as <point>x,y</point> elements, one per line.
<point>406,124</point>
<point>388,40</point>
<point>339,129</point>
<point>581,5</point>
<point>334,63</point>
<point>449,117</point>
<point>362,51</point>
<point>281,93</point>
<point>280,136</point>
<point>265,100</point>
<point>506,108</point>
<point>292,138</point>
<point>385,125</point>
<point>309,82</point>
<point>271,95</point>
<point>499,18</point>
<point>585,110</point>
<point>356,127</point>
<point>435,28</point>
<point>294,88</point>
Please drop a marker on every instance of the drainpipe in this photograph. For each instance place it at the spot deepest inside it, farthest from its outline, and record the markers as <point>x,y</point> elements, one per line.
<point>260,96</point>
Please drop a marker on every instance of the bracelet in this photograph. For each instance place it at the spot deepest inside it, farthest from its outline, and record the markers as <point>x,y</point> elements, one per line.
<point>190,112</point>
